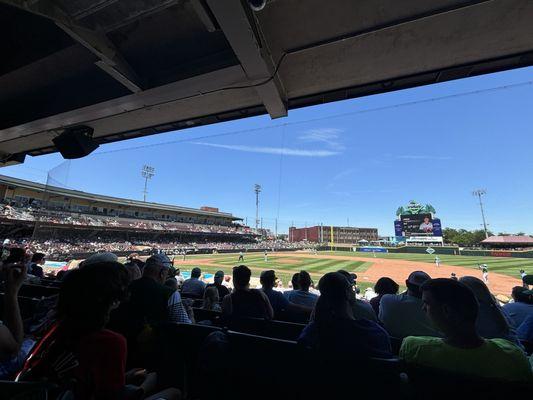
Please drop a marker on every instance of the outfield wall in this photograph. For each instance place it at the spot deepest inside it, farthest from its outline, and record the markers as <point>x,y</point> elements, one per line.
<point>450,250</point>
<point>422,249</point>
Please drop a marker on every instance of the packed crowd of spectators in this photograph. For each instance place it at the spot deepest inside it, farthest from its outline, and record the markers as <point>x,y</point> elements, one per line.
<point>69,247</point>
<point>107,312</point>
<point>78,219</point>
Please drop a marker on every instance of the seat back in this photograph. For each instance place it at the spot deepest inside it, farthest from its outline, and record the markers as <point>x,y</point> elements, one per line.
<point>38,291</point>
<point>427,382</point>
<point>176,353</point>
<point>206,315</point>
<point>259,363</point>
<point>26,390</point>
<point>273,329</point>
<point>396,344</point>
<point>269,367</point>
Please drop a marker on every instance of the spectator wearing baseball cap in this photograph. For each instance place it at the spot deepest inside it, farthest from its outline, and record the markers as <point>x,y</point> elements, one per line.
<point>101,257</point>
<point>453,308</point>
<point>194,287</point>
<point>402,314</point>
<point>151,302</point>
<point>217,283</point>
<point>360,308</point>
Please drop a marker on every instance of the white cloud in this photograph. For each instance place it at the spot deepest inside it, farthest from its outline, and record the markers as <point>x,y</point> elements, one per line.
<point>272,150</point>
<point>422,157</point>
<point>326,136</point>
<point>343,174</point>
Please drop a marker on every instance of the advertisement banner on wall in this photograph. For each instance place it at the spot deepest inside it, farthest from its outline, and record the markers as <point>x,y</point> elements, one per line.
<point>372,249</point>
<point>398,231</point>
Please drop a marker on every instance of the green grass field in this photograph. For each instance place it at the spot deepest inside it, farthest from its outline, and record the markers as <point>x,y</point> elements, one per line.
<point>287,265</point>
<point>503,265</point>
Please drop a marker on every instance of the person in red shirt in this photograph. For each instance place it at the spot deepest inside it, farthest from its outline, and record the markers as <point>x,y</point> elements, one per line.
<point>78,353</point>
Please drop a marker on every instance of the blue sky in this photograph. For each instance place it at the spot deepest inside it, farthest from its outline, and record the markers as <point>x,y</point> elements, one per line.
<point>358,159</point>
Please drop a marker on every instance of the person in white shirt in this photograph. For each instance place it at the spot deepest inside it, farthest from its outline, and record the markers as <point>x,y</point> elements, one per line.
<point>369,294</point>
<point>179,278</point>
<point>426,226</point>
<point>437,261</point>
<point>485,272</point>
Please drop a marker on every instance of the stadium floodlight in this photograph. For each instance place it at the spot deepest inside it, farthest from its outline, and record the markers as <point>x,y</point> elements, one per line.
<point>479,193</point>
<point>257,190</point>
<point>147,172</point>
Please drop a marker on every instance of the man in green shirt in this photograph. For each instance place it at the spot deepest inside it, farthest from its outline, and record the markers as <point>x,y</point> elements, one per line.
<point>453,309</point>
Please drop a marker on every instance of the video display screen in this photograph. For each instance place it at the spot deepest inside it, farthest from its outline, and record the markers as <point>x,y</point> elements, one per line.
<point>418,225</point>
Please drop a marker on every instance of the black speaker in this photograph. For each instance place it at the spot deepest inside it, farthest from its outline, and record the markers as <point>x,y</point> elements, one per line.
<point>76,142</point>
<point>12,159</point>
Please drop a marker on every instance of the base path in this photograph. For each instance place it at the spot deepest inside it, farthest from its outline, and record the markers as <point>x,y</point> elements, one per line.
<point>399,270</point>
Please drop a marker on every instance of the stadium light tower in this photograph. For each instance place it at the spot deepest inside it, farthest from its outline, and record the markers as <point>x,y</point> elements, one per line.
<point>147,172</point>
<point>257,190</point>
<point>479,193</point>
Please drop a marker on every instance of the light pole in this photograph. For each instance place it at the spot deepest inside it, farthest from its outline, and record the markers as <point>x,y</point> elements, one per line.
<point>147,172</point>
<point>479,193</point>
<point>257,190</point>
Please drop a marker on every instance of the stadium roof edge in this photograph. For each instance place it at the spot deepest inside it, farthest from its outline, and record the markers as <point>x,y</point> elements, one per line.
<point>8,180</point>
<point>508,239</point>
<point>112,68</point>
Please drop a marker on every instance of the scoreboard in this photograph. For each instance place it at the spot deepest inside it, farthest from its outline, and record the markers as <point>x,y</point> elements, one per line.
<point>417,225</point>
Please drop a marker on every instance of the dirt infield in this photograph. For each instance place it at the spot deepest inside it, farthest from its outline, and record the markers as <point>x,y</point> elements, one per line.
<point>400,269</point>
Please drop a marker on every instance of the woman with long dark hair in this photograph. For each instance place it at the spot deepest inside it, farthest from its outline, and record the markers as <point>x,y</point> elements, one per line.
<point>334,330</point>
<point>491,322</point>
<point>382,287</point>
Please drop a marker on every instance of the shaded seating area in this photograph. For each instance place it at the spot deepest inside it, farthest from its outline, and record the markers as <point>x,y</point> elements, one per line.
<point>447,385</point>
<point>256,326</point>
<point>268,328</point>
<point>207,362</point>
